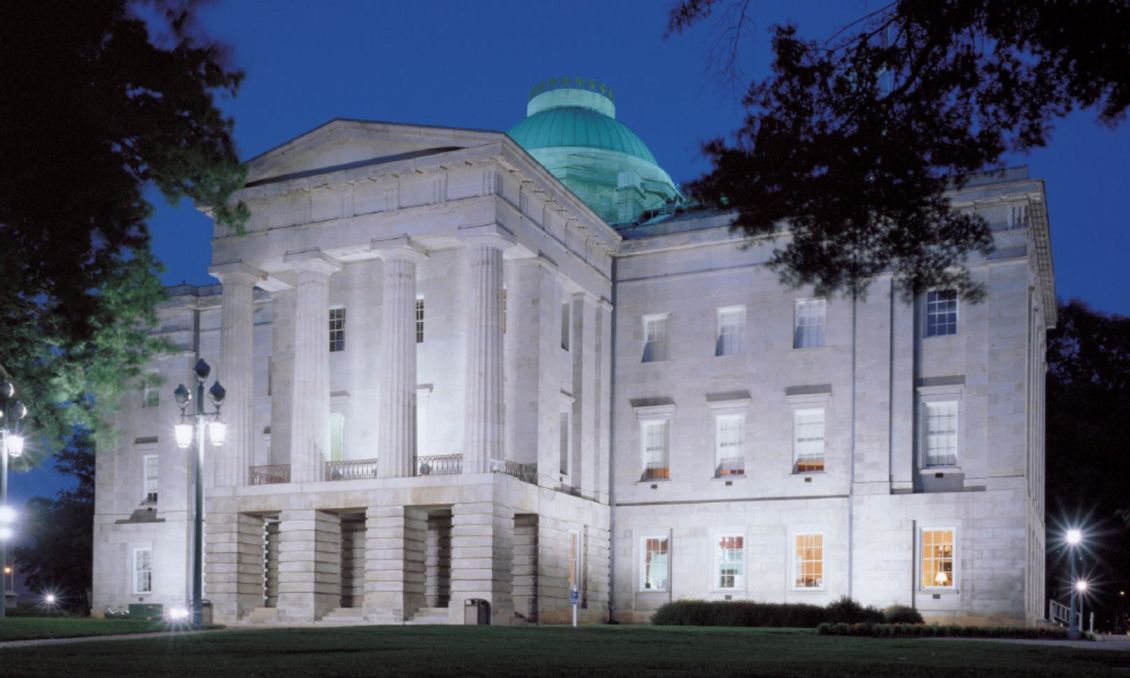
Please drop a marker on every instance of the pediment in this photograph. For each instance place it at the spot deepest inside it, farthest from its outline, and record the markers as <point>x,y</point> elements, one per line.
<point>341,144</point>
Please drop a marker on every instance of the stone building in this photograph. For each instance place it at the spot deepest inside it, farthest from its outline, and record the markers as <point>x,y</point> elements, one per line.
<point>466,365</point>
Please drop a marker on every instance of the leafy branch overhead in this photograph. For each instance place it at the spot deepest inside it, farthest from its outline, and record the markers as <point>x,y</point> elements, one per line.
<point>854,140</point>
<point>100,99</point>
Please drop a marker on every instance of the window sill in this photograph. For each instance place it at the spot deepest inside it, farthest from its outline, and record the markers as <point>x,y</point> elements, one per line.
<point>731,476</point>
<point>809,473</point>
<point>809,348</point>
<point>810,590</point>
<point>929,470</point>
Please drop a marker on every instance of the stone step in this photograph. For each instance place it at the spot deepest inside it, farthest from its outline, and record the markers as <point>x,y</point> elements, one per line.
<point>344,615</point>
<point>429,615</point>
<point>263,615</point>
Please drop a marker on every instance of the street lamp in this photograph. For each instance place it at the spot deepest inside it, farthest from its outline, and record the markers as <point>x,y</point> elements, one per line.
<point>1074,539</point>
<point>12,413</point>
<point>191,426</point>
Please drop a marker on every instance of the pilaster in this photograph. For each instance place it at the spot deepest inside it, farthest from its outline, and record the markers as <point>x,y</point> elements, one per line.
<point>585,393</point>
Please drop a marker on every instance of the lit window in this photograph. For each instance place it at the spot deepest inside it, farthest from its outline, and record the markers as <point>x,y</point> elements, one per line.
<point>654,568</point>
<point>941,313</point>
<point>150,481</point>
<point>419,320</point>
<point>654,435</point>
<point>337,436</point>
<point>808,561</point>
<point>729,562</point>
<point>565,326</point>
<point>729,440</point>
<point>937,559</point>
<point>808,440</point>
<point>731,331</point>
<point>940,426</point>
<point>142,571</point>
<point>808,330</point>
<point>656,330</point>
<point>337,330</point>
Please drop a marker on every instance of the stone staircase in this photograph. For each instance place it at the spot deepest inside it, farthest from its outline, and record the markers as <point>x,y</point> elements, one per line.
<point>429,615</point>
<point>263,615</point>
<point>344,616</point>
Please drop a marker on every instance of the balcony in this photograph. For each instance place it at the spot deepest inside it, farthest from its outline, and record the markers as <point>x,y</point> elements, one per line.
<point>351,469</point>
<point>365,469</point>
<point>439,465</point>
<point>271,474</point>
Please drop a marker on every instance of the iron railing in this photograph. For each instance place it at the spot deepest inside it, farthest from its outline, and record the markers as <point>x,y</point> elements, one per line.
<point>527,473</point>
<point>439,465</point>
<point>351,469</point>
<point>1059,613</point>
<point>271,474</point>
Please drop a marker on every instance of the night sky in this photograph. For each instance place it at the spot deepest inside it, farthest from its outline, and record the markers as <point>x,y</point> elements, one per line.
<point>472,64</point>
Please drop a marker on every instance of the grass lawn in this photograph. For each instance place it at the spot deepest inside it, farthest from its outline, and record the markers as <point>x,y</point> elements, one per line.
<point>33,628</point>
<point>551,651</point>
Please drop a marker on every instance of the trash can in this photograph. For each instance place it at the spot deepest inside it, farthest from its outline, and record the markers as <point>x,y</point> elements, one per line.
<point>205,611</point>
<point>476,611</point>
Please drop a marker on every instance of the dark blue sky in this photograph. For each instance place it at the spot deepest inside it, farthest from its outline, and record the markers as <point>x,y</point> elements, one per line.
<point>471,64</point>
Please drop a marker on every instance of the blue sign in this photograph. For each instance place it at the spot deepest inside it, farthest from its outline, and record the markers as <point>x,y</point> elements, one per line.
<point>574,597</point>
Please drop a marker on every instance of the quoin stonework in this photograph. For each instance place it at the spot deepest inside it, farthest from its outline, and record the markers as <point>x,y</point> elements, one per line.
<point>470,365</point>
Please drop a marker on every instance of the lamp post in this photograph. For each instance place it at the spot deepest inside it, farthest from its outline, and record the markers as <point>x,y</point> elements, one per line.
<point>185,432</point>
<point>1074,538</point>
<point>11,445</point>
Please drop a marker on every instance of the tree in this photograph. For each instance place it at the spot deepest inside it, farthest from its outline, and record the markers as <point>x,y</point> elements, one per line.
<point>1088,398</point>
<point>854,141</point>
<point>99,99</point>
<point>59,554</point>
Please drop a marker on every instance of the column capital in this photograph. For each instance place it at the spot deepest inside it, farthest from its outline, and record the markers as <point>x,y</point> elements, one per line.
<point>398,247</point>
<point>491,235</point>
<point>312,260</point>
<point>235,272</point>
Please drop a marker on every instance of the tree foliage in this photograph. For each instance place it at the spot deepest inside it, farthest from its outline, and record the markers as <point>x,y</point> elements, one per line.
<point>1088,399</point>
<point>99,99</point>
<point>854,140</point>
<point>59,545</point>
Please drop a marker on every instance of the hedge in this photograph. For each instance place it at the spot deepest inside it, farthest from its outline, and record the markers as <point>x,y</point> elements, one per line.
<point>743,613</point>
<point>940,631</point>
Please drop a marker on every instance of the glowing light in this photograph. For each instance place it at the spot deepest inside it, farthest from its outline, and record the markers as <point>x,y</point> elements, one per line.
<point>1074,536</point>
<point>941,579</point>
<point>183,434</point>
<point>1081,586</point>
<point>216,432</point>
<point>50,599</point>
<point>15,445</point>
<point>7,515</point>
<point>6,533</point>
<point>177,614</point>
<point>7,569</point>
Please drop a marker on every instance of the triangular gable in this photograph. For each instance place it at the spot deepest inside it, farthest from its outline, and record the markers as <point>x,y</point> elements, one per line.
<point>343,143</point>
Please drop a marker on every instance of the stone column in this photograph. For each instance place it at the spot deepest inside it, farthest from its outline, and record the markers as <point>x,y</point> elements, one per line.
<point>522,354</point>
<point>309,564</point>
<point>396,441</point>
<point>235,373</point>
<point>281,374</point>
<point>482,424</point>
<point>482,551</point>
<point>394,563</point>
<point>310,396</point>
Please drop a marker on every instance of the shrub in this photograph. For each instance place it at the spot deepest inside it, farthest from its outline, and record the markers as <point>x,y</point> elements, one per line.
<point>737,613</point>
<point>901,614</point>
<point>847,610</point>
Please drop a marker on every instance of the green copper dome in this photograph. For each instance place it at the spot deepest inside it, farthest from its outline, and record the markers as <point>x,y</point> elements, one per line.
<point>577,126</point>
<point>571,129</point>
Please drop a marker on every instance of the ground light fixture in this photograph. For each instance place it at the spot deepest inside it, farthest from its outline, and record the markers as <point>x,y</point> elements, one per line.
<point>192,427</point>
<point>12,412</point>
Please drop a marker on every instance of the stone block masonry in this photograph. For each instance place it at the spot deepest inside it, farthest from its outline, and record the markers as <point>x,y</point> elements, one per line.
<point>309,564</point>
<point>394,563</point>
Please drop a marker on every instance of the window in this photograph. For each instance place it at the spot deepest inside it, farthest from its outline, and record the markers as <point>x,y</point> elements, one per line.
<point>419,320</point>
<point>337,436</point>
<point>936,547</point>
<point>941,313</point>
<point>808,330</point>
<point>654,435</point>
<point>656,329</point>
<point>142,571</point>
<point>565,326</point>
<point>808,561</point>
<point>729,444</point>
<point>940,427</point>
<point>808,440</point>
<point>563,447</point>
<point>653,569</point>
<point>150,391</point>
<point>729,562</point>
<point>337,330</point>
<point>731,331</point>
<point>149,483</point>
